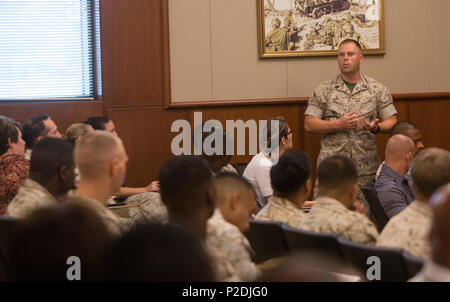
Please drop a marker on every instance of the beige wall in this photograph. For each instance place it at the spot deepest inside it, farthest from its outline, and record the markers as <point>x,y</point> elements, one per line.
<point>214,53</point>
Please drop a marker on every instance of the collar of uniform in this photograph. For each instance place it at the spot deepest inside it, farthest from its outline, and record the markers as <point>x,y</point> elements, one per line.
<point>285,203</point>
<point>362,85</point>
<point>32,184</point>
<point>436,272</point>
<point>422,207</point>
<point>328,201</point>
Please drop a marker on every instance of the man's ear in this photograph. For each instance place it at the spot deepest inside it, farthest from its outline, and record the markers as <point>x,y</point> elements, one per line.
<point>113,167</point>
<point>308,187</point>
<point>234,200</point>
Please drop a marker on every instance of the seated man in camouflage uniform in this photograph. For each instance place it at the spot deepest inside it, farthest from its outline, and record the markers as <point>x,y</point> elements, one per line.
<point>438,268</point>
<point>51,177</point>
<point>337,210</point>
<point>187,190</point>
<point>410,229</point>
<point>235,202</point>
<point>292,186</point>
<point>102,161</point>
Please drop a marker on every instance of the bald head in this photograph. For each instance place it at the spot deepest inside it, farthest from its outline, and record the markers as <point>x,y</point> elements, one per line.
<point>430,170</point>
<point>440,230</point>
<point>397,147</point>
<point>228,184</point>
<point>96,151</point>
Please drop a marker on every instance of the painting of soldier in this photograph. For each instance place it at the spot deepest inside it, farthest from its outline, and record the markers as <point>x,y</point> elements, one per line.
<point>316,27</point>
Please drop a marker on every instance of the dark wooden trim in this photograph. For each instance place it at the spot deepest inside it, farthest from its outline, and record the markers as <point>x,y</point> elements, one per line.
<point>283,101</point>
<point>166,54</point>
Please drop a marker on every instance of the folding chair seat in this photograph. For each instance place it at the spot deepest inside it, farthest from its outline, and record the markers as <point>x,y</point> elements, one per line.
<point>392,267</point>
<point>267,240</point>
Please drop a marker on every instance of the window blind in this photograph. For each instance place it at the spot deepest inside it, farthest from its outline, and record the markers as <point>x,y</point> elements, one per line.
<point>47,49</point>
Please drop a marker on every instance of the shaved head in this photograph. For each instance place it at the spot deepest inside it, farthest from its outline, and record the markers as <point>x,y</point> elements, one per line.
<point>95,151</point>
<point>398,146</point>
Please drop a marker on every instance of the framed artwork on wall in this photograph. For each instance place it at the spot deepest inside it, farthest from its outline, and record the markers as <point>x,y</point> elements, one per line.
<point>298,28</point>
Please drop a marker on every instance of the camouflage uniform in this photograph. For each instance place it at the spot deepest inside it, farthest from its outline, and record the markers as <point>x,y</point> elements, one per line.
<point>151,209</point>
<point>114,224</point>
<point>31,197</point>
<point>227,238</point>
<point>409,230</point>
<point>333,99</point>
<point>328,215</point>
<point>281,210</point>
<point>223,270</point>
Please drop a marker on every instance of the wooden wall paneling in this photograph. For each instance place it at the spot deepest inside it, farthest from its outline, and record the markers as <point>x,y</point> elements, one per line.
<point>132,64</point>
<point>432,117</point>
<point>63,113</point>
<point>290,112</point>
<point>146,134</point>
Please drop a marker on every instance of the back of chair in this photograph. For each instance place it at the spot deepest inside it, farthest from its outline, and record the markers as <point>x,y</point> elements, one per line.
<point>267,240</point>
<point>375,206</point>
<point>297,239</point>
<point>388,263</point>
<point>7,228</point>
<point>413,264</point>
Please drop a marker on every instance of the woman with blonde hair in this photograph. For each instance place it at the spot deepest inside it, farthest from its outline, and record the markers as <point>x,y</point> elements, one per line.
<point>76,131</point>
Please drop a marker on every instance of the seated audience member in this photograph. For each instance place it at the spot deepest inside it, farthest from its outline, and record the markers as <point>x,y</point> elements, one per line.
<point>409,230</point>
<point>45,240</point>
<point>410,130</point>
<point>336,210</point>
<point>104,123</point>
<point>14,168</point>
<point>438,268</point>
<point>36,128</point>
<point>217,162</point>
<point>187,190</point>
<point>235,202</point>
<point>159,253</point>
<point>102,161</point>
<point>51,177</point>
<point>393,189</point>
<point>257,171</point>
<point>75,131</point>
<point>292,186</point>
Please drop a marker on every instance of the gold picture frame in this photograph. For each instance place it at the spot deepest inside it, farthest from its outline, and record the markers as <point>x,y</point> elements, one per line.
<point>310,28</point>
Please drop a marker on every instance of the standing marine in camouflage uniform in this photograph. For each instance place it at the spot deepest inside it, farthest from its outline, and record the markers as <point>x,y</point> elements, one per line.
<point>348,111</point>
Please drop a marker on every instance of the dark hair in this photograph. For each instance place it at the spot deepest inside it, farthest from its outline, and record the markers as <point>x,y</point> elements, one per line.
<point>33,127</point>
<point>183,181</point>
<point>49,155</point>
<point>8,130</point>
<point>45,239</point>
<point>97,122</point>
<point>283,130</point>
<point>159,253</point>
<point>337,172</point>
<point>290,173</point>
<point>352,41</point>
<point>402,127</point>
